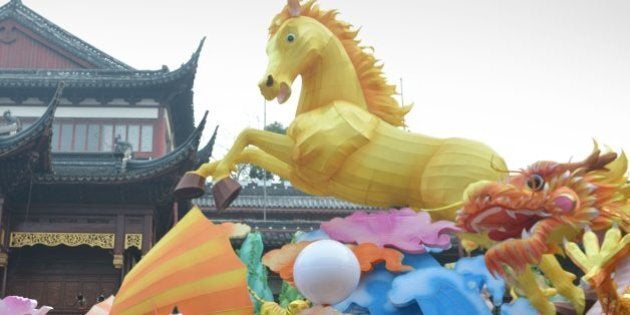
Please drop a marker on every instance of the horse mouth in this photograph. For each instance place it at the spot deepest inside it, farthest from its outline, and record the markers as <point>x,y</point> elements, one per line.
<point>284,92</point>
<point>503,223</point>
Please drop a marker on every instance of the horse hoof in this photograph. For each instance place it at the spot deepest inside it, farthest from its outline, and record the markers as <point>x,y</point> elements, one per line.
<point>224,192</point>
<point>190,186</point>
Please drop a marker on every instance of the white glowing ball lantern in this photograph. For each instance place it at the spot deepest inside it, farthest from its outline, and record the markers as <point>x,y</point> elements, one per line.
<point>326,272</point>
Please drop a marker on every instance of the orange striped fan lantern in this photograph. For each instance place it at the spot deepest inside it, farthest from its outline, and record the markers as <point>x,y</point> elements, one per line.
<point>192,267</point>
<point>102,308</point>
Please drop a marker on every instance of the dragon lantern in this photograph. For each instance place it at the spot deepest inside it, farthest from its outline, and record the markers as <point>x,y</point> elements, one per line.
<point>527,217</point>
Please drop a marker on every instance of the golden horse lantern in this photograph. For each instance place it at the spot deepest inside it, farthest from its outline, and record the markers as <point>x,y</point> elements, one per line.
<point>345,140</point>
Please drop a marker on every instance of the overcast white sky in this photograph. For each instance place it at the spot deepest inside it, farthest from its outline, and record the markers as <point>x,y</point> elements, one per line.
<point>535,79</point>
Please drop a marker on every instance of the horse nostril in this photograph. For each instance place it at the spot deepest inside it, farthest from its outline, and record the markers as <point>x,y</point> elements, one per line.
<point>269,82</point>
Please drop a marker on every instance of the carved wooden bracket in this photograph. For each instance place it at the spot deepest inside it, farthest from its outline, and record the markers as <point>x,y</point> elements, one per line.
<point>102,240</point>
<point>133,240</point>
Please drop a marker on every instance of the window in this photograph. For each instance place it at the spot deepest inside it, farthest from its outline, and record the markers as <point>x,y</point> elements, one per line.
<point>120,131</point>
<point>66,137</point>
<point>55,137</point>
<point>133,137</point>
<point>93,137</point>
<point>147,138</point>
<point>107,139</point>
<point>99,137</point>
<point>79,137</point>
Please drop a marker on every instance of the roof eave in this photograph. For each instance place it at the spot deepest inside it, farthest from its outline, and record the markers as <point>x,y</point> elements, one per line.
<point>36,137</point>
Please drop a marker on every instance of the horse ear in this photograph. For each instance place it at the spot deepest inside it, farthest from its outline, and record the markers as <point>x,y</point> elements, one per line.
<point>294,7</point>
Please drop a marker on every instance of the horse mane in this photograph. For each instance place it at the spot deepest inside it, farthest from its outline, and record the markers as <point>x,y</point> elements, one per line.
<point>377,93</point>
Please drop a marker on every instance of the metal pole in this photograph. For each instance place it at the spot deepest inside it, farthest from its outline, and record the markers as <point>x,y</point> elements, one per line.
<point>4,271</point>
<point>402,99</point>
<point>264,171</point>
<point>6,268</point>
<point>4,279</point>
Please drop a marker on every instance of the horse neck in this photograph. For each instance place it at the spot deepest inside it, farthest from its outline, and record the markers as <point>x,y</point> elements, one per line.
<point>328,80</point>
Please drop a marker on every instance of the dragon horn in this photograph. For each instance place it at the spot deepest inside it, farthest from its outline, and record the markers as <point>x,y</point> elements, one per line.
<point>294,7</point>
<point>595,161</point>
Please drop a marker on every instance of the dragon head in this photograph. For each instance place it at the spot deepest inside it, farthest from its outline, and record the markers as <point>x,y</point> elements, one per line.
<point>540,206</point>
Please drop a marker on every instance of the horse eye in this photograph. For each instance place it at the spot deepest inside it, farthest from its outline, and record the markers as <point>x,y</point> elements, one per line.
<point>290,37</point>
<point>536,182</point>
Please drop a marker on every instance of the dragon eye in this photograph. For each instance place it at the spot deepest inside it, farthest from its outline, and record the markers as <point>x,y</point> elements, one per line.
<point>290,37</point>
<point>536,182</point>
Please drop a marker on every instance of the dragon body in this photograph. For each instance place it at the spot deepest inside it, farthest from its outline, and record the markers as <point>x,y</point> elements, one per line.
<point>527,218</point>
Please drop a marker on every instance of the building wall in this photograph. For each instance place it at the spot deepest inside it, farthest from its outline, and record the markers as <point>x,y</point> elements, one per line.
<point>57,275</point>
<point>21,48</point>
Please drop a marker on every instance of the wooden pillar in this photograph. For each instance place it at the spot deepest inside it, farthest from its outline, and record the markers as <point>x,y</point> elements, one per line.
<point>147,234</point>
<point>1,213</point>
<point>4,255</point>
<point>119,242</point>
<point>159,136</point>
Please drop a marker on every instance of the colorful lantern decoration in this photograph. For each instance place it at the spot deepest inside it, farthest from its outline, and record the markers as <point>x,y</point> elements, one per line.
<point>528,218</point>
<point>326,272</point>
<point>345,140</point>
<point>192,267</point>
<point>250,254</point>
<point>599,263</point>
<point>102,308</point>
<point>19,305</point>
<point>403,229</point>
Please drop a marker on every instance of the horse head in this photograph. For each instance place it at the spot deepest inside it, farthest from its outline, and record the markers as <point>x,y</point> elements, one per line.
<point>294,45</point>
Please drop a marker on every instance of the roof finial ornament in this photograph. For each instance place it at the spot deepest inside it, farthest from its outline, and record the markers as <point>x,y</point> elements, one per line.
<point>16,2</point>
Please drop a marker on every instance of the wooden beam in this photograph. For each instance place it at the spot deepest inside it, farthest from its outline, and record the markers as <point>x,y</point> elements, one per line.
<point>147,231</point>
<point>119,241</point>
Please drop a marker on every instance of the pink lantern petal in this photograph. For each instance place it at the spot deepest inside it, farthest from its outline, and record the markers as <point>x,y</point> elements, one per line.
<point>20,305</point>
<point>404,229</point>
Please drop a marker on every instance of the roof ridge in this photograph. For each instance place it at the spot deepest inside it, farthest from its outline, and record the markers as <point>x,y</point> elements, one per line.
<point>53,32</point>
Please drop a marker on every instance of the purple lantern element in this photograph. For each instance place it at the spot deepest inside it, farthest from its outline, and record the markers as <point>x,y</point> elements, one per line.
<point>404,229</point>
<point>20,305</point>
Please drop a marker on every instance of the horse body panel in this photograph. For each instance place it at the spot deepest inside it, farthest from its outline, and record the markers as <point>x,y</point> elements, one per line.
<point>355,156</point>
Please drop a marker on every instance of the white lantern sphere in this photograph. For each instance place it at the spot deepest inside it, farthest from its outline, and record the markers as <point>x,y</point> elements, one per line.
<point>326,272</point>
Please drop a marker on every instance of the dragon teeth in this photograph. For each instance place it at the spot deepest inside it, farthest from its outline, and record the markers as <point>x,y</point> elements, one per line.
<point>511,214</point>
<point>565,175</point>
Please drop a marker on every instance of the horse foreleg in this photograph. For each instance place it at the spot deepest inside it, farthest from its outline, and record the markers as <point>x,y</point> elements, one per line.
<point>277,145</point>
<point>264,160</point>
<point>562,281</point>
<point>206,169</point>
<point>276,166</point>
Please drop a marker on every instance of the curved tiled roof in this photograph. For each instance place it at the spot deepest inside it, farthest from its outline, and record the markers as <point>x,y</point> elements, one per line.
<point>100,78</point>
<point>29,18</point>
<point>36,135</point>
<point>278,197</point>
<point>205,153</point>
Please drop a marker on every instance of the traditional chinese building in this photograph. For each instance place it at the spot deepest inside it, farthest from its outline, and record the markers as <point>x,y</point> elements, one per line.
<point>87,170</point>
